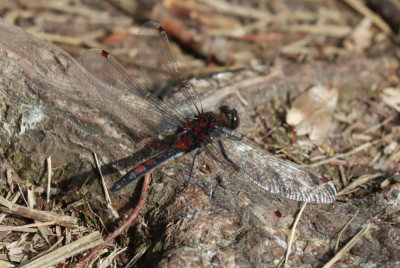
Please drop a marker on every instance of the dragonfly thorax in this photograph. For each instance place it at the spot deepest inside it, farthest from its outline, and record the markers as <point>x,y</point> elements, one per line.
<point>201,126</point>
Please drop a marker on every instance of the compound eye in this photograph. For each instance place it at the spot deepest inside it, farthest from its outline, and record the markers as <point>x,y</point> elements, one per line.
<point>231,116</point>
<point>224,109</point>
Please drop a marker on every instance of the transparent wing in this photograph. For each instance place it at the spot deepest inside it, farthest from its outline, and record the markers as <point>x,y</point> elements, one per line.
<point>161,73</point>
<point>128,98</point>
<point>245,163</point>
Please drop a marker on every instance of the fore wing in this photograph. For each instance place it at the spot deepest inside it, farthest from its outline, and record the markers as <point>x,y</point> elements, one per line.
<point>126,98</point>
<point>160,70</point>
<point>246,163</point>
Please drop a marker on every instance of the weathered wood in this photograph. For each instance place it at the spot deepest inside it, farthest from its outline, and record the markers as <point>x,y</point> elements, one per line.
<point>51,107</point>
<point>30,213</point>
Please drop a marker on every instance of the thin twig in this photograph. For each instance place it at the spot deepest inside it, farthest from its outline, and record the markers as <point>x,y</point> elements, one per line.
<point>50,249</point>
<point>385,212</point>
<point>123,226</point>
<point>241,99</point>
<point>69,40</point>
<point>48,179</point>
<point>343,176</point>
<point>293,231</point>
<point>15,228</point>
<point>365,11</point>
<point>348,246</point>
<point>381,124</point>
<point>355,150</point>
<point>211,100</point>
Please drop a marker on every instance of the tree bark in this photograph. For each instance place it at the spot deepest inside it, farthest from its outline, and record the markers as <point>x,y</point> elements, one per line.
<point>50,107</point>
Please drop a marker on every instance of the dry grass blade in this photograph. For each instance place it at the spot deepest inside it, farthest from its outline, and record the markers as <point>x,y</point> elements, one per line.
<point>140,251</point>
<point>362,9</point>
<point>49,249</point>
<point>360,181</point>
<point>245,85</point>
<point>68,40</point>
<point>58,38</point>
<point>81,10</point>
<point>326,30</point>
<point>103,184</point>
<point>16,228</point>
<point>67,251</point>
<point>344,229</point>
<point>106,262</point>
<point>48,179</point>
<point>237,10</point>
<point>343,176</point>
<point>293,232</point>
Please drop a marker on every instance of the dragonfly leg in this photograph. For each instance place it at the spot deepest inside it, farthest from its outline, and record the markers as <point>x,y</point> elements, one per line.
<point>229,134</point>
<point>223,151</point>
<point>196,155</point>
<point>232,137</point>
<point>218,183</point>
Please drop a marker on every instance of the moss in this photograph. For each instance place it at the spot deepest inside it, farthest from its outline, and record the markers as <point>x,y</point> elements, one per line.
<point>22,164</point>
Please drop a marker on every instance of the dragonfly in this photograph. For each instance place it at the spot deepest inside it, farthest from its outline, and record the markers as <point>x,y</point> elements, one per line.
<point>194,131</point>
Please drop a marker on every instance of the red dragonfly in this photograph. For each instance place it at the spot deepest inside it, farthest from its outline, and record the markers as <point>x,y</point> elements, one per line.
<point>196,131</point>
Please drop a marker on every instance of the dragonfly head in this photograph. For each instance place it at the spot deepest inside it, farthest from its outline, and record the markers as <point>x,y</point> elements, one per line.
<point>229,117</point>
